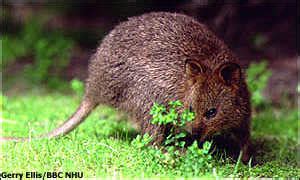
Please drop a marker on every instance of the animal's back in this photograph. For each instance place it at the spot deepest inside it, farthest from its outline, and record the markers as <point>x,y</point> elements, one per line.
<point>142,60</point>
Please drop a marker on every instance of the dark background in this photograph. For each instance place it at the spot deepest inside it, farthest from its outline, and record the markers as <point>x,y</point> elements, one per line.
<point>255,30</point>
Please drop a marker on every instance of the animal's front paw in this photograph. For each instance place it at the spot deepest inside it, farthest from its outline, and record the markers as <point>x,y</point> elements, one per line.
<point>248,154</point>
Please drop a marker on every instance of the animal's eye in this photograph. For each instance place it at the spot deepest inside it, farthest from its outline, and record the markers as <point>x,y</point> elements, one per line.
<point>210,113</point>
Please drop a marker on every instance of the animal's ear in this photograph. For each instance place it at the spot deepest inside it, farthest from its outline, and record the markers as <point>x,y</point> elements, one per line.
<point>194,68</point>
<point>229,73</point>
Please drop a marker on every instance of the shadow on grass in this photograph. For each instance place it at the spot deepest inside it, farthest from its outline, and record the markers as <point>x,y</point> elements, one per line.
<point>120,130</point>
<point>124,134</point>
<point>271,148</point>
<point>265,149</point>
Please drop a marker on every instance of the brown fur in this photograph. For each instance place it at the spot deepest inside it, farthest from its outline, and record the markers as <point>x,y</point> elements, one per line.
<point>160,57</point>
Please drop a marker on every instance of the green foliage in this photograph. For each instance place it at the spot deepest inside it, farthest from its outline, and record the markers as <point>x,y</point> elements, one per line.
<point>3,100</point>
<point>257,78</point>
<point>194,161</point>
<point>162,115</point>
<point>197,161</point>
<point>11,49</point>
<point>104,147</point>
<point>50,51</point>
<point>141,141</point>
<point>77,86</point>
<point>52,55</point>
<point>259,41</point>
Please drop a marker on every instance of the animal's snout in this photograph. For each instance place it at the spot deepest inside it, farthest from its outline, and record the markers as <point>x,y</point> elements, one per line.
<point>188,128</point>
<point>196,129</point>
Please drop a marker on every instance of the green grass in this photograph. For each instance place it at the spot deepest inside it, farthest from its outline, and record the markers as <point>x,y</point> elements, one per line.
<point>102,146</point>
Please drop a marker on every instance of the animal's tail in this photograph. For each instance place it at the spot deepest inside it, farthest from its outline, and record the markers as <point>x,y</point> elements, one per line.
<point>78,117</point>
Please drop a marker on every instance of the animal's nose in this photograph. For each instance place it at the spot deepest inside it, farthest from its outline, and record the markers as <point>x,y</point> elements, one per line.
<point>188,127</point>
<point>195,129</point>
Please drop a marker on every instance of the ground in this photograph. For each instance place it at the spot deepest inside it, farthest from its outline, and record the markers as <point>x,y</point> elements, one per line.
<point>102,146</point>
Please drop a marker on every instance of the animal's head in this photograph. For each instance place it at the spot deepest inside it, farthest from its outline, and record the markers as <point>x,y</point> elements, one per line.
<point>219,97</point>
